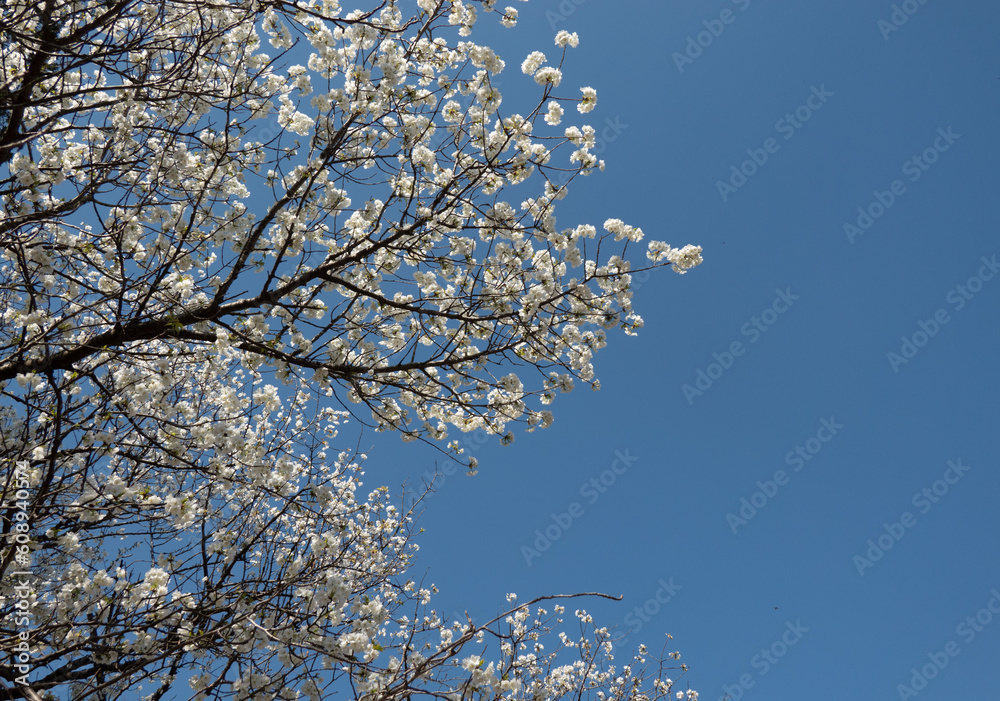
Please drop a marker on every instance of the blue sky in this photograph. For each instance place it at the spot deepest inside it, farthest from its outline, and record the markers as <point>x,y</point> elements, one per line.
<point>791,605</point>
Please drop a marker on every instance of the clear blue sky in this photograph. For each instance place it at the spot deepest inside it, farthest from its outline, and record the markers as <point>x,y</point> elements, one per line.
<point>814,311</point>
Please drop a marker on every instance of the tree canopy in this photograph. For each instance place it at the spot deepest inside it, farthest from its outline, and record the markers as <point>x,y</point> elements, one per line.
<point>228,228</point>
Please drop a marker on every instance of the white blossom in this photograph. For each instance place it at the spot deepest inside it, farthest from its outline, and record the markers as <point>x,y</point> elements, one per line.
<point>548,75</point>
<point>554,113</point>
<point>685,258</point>
<point>564,38</point>
<point>224,220</point>
<point>589,100</point>
<point>533,62</point>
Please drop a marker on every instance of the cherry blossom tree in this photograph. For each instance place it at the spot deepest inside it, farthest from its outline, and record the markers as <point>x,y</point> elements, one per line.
<point>228,228</point>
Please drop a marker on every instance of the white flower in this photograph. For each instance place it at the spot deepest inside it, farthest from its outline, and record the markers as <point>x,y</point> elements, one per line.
<point>685,258</point>
<point>301,79</point>
<point>156,582</point>
<point>115,486</point>
<point>548,76</point>
<point>293,120</point>
<point>268,397</point>
<point>512,383</point>
<point>563,38</point>
<point>658,250</point>
<point>555,113</point>
<point>70,541</point>
<point>622,230</point>
<point>182,509</point>
<point>589,100</point>
<point>586,159</point>
<point>452,112</point>
<point>531,64</point>
<point>614,226</point>
<point>509,18</point>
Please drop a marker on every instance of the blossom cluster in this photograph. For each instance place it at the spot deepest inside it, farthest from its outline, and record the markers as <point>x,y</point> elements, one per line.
<point>399,301</point>
<point>226,228</point>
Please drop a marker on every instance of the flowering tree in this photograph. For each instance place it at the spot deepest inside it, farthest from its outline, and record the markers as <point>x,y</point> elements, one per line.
<point>214,253</point>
